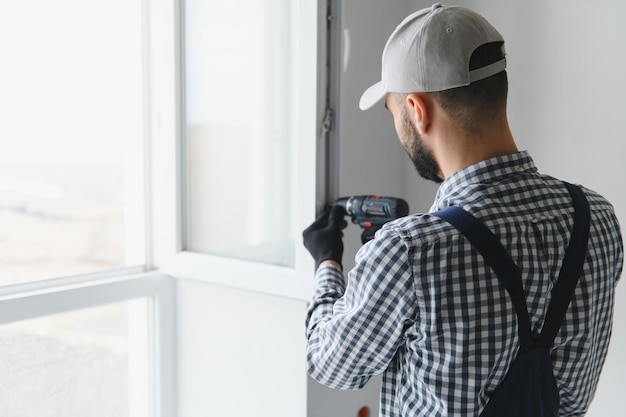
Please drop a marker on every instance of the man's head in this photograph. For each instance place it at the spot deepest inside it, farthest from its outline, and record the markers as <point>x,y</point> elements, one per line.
<point>442,66</point>
<point>431,50</point>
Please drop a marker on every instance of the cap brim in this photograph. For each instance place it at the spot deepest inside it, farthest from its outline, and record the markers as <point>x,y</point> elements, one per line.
<point>372,96</point>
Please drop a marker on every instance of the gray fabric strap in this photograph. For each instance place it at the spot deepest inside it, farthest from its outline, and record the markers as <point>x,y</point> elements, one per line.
<point>488,70</point>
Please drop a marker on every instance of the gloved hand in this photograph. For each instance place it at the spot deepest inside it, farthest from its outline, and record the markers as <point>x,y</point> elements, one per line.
<point>323,238</point>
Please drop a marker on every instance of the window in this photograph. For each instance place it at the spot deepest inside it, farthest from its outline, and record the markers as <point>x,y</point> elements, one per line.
<point>71,138</point>
<point>238,115</point>
<point>78,363</point>
<point>236,169</point>
<point>83,331</point>
<point>58,343</point>
<point>87,81</point>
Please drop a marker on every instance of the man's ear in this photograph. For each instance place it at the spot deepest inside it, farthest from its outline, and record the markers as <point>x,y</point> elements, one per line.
<point>419,111</point>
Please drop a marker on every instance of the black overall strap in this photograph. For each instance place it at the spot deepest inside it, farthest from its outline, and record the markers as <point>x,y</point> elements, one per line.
<point>571,270</point>
<point>509,274</point>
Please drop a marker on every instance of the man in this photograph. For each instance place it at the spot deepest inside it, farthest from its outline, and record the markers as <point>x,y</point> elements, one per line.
<point>421,306</point>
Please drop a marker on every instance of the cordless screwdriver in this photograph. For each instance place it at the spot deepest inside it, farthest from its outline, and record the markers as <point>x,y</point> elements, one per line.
<point>372,211</point>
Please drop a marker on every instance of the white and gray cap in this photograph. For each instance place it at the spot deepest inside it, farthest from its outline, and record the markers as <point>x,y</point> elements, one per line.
<point>431,50</point>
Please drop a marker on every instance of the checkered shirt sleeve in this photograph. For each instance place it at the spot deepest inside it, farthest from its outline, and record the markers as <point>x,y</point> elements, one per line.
<point>422,308</point>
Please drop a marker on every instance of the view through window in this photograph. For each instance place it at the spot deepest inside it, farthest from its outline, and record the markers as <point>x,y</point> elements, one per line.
<point>239,114</point>
<point>75,364</point>
<point>71,168</point>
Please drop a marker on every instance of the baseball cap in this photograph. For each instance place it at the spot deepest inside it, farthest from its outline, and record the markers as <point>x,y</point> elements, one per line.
<point>431,50</point>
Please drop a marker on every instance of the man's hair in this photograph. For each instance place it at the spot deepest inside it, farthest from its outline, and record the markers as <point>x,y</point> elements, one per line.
<point>481,102</point>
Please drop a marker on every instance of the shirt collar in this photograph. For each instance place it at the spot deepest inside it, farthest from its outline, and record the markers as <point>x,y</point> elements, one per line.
<point>486,171</point>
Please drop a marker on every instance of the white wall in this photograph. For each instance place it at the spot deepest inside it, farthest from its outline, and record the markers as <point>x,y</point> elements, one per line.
<point>240,353</point>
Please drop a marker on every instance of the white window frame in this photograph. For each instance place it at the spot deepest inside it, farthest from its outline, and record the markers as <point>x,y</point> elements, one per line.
<point>166,133</point>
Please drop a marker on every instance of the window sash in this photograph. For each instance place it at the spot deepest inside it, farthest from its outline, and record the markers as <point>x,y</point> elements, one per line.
<point>166,131</point>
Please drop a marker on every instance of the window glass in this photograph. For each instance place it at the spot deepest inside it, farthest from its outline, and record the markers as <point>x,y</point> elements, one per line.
<point>238,118</point>
<point>71,170</point>
<point>89,362</point>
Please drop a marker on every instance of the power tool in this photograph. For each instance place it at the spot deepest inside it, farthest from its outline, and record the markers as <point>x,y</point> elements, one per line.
<point>371,212</point>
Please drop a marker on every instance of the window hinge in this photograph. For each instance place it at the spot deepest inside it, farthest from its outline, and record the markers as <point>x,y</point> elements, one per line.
<point>328,121</point>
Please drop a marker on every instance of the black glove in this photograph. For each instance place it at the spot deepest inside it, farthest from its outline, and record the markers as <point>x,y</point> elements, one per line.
<point>323,237</point>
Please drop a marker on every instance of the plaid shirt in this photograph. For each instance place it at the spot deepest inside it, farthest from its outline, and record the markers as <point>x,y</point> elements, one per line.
<point>422,308</point>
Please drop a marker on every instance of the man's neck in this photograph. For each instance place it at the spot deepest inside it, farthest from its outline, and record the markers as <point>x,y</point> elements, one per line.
<point>458,151</point>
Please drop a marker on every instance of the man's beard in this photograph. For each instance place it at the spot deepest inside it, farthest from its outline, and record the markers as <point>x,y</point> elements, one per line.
<point>423,159</point>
